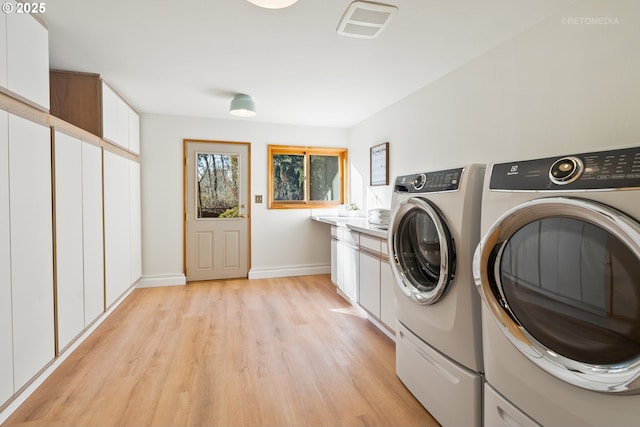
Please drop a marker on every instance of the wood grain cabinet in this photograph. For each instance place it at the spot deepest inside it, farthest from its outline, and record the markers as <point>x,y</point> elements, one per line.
<point>24,58</point>
<point>87,101</point>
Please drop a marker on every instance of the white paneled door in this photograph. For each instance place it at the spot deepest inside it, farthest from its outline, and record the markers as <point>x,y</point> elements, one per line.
<point>217,200</point>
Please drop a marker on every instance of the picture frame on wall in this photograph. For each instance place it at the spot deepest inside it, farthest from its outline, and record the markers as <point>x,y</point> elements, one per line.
<point>379,164</point>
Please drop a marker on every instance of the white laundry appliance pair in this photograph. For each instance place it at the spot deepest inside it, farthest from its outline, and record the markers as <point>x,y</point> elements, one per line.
<point>434,229</point>
<point>558,268</point>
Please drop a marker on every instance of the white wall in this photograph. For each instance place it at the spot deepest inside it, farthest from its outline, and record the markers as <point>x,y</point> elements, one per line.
<point>569,84</point>
<point>284,242</point>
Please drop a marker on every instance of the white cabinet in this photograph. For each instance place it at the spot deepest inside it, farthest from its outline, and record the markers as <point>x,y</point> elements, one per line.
<point>31,247</point>
<point>93,254</point>
<point>6,333</point>
<point>135,225</point>
<point>69,238</point>
<point>134,131</point>
<point>3,58</point>
<point>27,58</point>
<point>369,295</point>
<point>334,255</point>
<point>347,261</point>
<point>120,122</point>
<point>387,296</point>
<point>116,226</point>
<point>110,115</point>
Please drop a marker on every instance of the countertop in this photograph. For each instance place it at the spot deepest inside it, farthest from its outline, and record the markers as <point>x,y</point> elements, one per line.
<point>359,224</point>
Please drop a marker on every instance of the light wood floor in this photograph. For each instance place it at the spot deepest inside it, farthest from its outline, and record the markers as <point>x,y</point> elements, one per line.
<point>273,352</point>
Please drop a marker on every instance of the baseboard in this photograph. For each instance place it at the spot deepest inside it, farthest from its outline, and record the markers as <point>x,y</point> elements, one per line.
<point>288,271</point>
<point>161,280</point>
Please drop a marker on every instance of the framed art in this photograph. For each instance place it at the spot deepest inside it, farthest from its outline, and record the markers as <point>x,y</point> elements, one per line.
<point>379,164</point>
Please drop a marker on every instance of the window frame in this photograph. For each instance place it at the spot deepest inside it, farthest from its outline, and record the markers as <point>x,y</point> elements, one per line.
<point>307,152</point>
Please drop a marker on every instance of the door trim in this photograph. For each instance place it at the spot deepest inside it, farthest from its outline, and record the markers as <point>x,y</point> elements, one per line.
<point>185,143</point>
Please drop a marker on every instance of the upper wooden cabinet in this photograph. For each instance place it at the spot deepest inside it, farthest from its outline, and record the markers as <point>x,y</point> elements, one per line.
<point>88,102</point>
<point>24,58</point>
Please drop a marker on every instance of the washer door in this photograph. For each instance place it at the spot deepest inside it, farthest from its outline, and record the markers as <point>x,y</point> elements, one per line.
<point>561,276</point>
<point>422,251</point>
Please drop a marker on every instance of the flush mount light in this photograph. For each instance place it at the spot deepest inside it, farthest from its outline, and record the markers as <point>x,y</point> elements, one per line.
<point>273,4</point>
<point>243,106</point>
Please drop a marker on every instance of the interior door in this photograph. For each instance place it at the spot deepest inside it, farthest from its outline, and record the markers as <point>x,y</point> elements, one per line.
<point>216,210</point>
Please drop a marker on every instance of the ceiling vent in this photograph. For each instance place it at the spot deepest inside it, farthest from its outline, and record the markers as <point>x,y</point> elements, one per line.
<point>365,19</point>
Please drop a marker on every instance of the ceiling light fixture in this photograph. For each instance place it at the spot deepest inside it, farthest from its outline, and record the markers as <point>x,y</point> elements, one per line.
<point>243,106</point>
<point>273,4</point>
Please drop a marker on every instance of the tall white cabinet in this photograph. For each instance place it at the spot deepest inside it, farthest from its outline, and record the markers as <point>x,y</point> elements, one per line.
<point>117,225</point>
<point>69,241</point>
<point>6,330</point>
<point>30,205</point>
<point>92,228</point>
<point>78,220</point>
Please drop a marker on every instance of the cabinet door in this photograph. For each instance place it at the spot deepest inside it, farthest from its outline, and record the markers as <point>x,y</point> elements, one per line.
<point>134,131</point>
<point>3,56</point>
<point>116,226</point>
<point>28,58</point>
<point>31,247</point>
<point>92,232</point>
<point>6,335</point>
<point>350,282</point>
<point>109,114</point>
<point>122,111</point>
<point>369,280</point>
<point>387,297</point>
<point>135,225</point>
<point>69,251</point>
<point>334,261</point>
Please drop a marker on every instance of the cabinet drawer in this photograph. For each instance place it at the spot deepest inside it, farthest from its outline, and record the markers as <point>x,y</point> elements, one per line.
<point>371,243</point>
<point>348,236</point>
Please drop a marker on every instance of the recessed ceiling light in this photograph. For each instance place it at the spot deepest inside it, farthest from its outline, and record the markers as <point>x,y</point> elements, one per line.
<point>273,4</point>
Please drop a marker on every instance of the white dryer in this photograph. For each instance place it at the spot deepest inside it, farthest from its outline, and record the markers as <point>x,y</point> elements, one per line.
<point>433,231</point>
<point>558,268</point>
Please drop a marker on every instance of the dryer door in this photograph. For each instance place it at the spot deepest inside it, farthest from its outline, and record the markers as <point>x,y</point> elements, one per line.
<point>422,251</point>
<point>561,276</point>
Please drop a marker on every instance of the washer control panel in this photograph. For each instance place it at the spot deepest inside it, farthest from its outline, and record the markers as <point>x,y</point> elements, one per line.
<point>587,171</point>
<point>429,182</point>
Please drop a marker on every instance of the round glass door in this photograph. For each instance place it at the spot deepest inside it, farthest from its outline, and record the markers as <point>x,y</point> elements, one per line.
<point>423,253</point>
<point>562,276</point>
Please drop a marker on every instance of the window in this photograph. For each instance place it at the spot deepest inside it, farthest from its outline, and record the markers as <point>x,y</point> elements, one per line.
<point>306,177</point>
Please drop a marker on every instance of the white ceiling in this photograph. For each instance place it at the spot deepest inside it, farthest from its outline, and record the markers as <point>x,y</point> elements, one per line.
<point>190,57</point>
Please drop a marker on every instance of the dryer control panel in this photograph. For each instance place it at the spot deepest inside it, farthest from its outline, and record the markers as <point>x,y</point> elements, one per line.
<point>587,171</point>
<point>429,182</point>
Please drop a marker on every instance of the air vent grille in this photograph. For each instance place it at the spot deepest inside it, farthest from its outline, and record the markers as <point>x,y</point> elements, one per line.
<point>365,19</point>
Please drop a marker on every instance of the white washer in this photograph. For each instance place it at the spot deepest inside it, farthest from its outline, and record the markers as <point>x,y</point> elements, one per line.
<point>434,228</point>
<point>558,268</point>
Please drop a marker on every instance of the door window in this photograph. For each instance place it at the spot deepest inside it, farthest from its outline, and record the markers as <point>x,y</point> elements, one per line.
<point>217,187</point>
<point>575,288</point>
